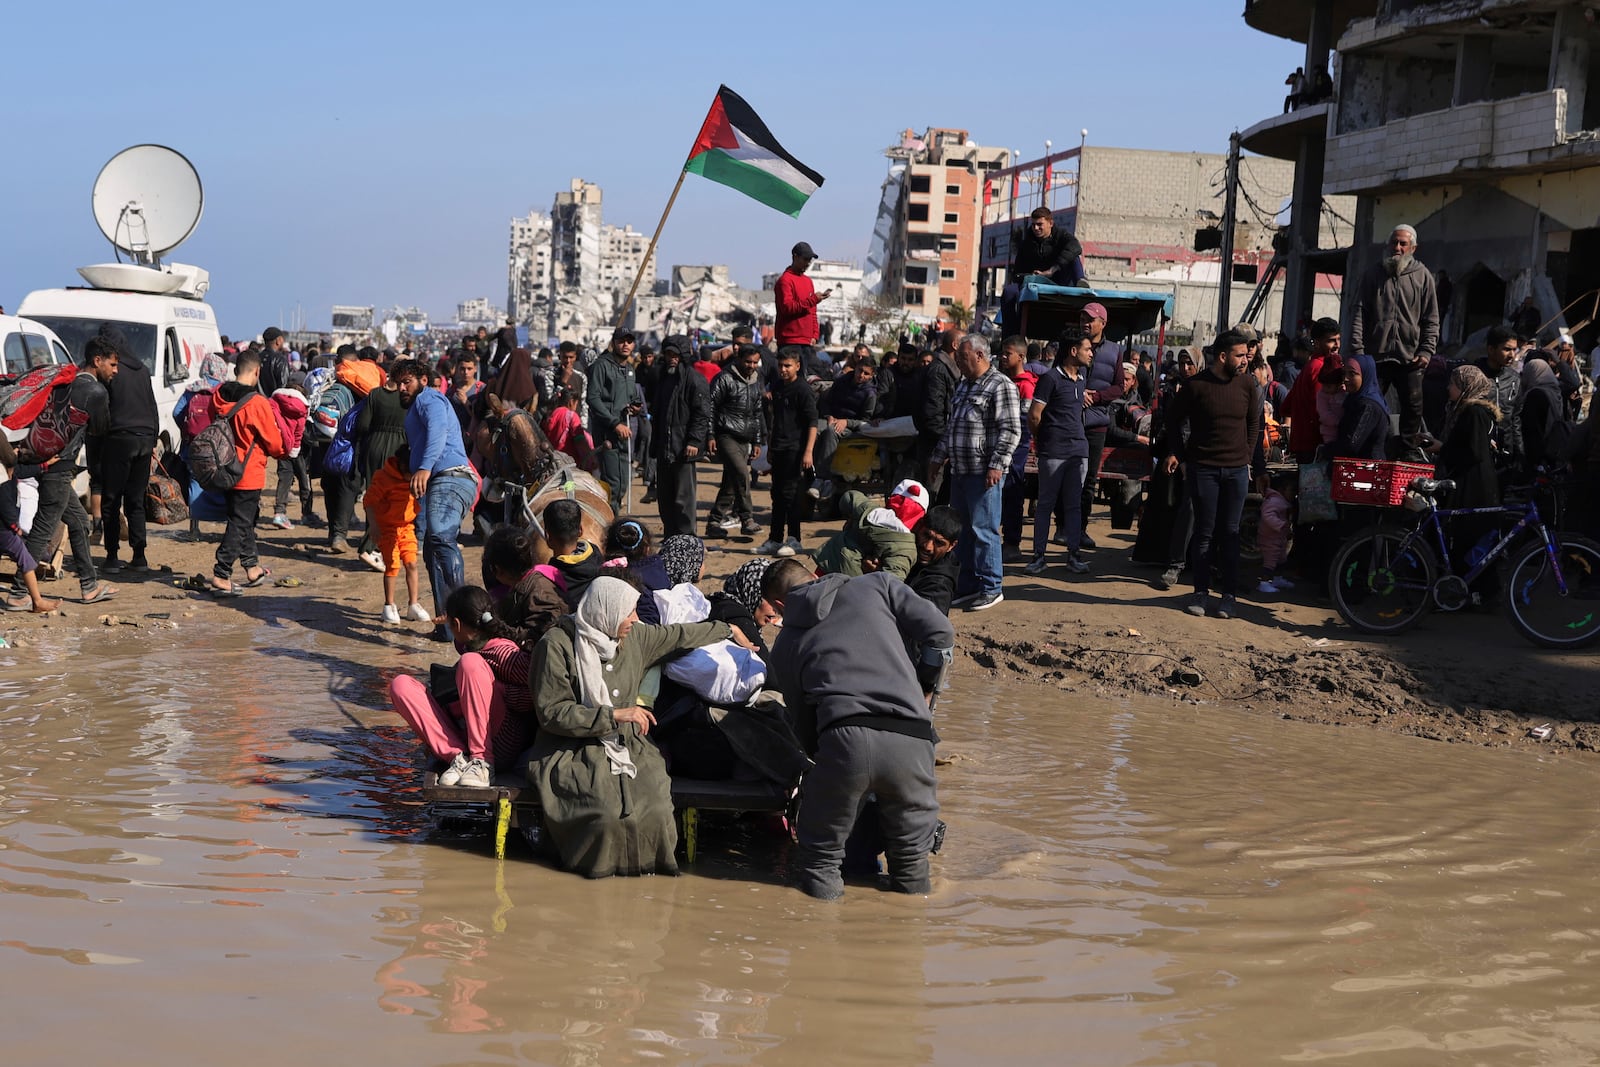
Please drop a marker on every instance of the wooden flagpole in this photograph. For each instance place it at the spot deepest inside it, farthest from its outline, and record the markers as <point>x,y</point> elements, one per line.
<point>622,312</point>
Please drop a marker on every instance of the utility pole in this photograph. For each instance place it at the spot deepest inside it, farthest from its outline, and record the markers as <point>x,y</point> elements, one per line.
<point>1229,214</point>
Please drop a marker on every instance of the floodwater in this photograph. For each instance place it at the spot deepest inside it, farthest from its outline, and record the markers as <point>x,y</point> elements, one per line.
<point>222,861</point>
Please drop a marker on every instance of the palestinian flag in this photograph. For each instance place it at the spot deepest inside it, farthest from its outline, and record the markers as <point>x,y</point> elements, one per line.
<point>736,149</point>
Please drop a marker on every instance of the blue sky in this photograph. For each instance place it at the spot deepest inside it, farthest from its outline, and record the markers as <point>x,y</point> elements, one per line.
<point>374,153</point>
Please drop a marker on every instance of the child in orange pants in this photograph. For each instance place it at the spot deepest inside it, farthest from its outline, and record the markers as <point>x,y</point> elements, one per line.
<point>391,506</point>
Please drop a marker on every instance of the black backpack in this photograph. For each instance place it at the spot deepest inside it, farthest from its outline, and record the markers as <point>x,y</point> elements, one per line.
<point>214,455</point>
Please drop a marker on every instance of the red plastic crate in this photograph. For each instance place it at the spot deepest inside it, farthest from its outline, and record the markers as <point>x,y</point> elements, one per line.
<point>1375,483</point>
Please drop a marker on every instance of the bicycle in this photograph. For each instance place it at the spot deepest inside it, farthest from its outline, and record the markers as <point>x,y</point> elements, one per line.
<point>1385,578</point>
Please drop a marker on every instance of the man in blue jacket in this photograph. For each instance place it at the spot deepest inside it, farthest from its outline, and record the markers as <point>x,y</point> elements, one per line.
<point>442,480</point>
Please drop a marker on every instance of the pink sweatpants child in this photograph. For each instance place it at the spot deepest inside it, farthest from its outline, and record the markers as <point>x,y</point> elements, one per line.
<point>492,722</point>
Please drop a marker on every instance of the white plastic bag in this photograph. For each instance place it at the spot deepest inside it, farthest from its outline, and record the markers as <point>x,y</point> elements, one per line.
<point>27,503</point>
<point>723,673</point>
<point>682,603</point>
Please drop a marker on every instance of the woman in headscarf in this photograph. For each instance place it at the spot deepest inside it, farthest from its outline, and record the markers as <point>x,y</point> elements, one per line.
<point>514,384</point>
<point>630,548</point>
<point>684,556</point>
<point>739,602</point>
<point>1464,452</point>
<point>1543,410</point>
<point>1466,457</point>
<point>603,788</point>
<point>1364,421</point>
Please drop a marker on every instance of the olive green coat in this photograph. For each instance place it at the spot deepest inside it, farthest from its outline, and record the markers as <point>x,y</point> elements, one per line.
<point>601,823</point>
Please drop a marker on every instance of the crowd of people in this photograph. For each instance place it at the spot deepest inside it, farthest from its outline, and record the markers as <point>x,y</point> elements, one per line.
<point>594,671</point>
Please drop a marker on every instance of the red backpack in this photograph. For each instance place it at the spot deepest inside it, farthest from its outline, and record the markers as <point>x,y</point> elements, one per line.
<point>24,400</point>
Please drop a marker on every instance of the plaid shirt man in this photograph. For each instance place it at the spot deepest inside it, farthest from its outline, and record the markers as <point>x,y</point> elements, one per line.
<point>985,425</point>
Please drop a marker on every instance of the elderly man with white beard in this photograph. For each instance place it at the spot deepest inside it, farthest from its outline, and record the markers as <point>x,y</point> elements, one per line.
<point>1396,322</point>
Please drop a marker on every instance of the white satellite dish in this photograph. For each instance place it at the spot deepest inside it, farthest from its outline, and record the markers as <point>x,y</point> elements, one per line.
<point>147,201</point>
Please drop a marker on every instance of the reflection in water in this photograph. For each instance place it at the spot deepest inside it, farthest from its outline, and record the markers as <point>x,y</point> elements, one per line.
<point>239,842</point>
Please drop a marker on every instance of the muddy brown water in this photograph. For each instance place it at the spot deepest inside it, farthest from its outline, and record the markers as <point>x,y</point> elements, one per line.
<point>222,861</point>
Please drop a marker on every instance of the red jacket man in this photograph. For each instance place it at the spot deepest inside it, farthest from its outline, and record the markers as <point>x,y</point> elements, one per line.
<point>797,300</point>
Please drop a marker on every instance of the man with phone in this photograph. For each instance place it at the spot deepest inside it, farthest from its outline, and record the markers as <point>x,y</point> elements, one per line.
<point>796,299</point>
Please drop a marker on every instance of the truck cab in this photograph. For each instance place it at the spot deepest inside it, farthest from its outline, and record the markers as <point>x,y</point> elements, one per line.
<point>168,333</point>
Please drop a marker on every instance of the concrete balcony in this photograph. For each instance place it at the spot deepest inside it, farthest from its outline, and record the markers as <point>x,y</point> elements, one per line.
<point>1292,18</point>
<point>1279,137</point>
<point>1488,136</point>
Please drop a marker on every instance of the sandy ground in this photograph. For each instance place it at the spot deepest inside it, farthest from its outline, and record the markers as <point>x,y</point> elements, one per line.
<point>1466,678</point>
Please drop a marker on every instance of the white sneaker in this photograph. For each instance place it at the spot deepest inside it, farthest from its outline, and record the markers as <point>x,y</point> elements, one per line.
<point>451,775</point>
<point>729,524</point>
<point>770,548</point>
<point>282,522</point>
<point>791,547</point>
<point>418,613</point>
<point>1265,586</point>
<point>391,613</point>
<point>1280,583</point>
<point>373,559</point>
<point>475,775</point>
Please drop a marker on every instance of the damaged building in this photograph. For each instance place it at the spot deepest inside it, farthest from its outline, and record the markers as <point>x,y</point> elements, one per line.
<point>569,271</point>
<point>1477,122</point>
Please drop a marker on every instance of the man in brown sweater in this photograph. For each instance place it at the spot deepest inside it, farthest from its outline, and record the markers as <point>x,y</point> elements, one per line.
<point>1223,409</point>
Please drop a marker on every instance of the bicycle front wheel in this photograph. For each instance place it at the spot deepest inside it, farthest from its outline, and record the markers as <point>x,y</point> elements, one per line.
<point>1557,604</point>
<point>1380,583</point>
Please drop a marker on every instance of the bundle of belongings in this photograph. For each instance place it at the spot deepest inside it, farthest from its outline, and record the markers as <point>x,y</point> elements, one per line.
<point>713,720</point>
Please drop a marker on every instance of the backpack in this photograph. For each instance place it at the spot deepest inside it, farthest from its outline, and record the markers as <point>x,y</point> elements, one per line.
<point>214,461</point>
<point>164,502</point>
<point>341,455</point>
<point>24,400</point>
<point>58,425</point>
<point>328,405</point>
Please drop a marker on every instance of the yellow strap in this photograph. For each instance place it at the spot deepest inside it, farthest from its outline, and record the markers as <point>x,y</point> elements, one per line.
<point>691,832</point>
<point>502,826</point>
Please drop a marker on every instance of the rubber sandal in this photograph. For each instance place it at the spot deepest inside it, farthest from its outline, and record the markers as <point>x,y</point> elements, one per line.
<point>221,593</point>
<point>288,583</point>
<point>25,604</point>
<point>251,583</point>
<point>102,592</point>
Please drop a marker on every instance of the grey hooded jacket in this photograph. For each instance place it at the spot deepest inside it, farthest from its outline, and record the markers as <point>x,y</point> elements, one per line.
<point>857,664</point>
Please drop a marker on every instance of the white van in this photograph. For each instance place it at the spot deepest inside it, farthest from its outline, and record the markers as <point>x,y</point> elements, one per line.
<point>169,333</point>
<point>25,345</point>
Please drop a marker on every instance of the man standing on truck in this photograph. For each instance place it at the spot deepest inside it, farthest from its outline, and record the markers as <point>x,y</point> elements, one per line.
<point>1043,251</point>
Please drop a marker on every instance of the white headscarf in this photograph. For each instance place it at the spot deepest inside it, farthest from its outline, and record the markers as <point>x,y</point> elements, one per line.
<point>606,603</point>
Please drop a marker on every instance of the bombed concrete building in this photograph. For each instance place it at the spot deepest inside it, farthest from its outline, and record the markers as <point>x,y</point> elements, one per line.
<point>568,272</point>
<point>1476,121</point>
